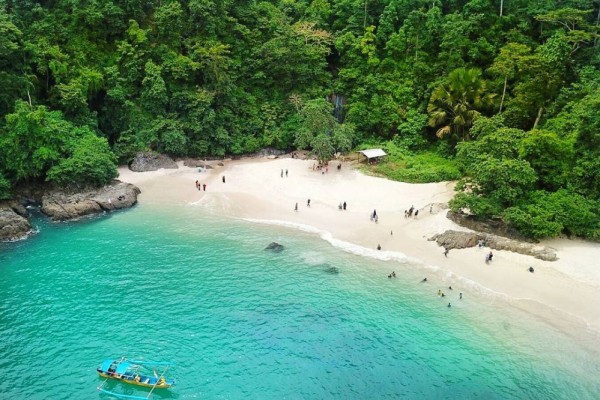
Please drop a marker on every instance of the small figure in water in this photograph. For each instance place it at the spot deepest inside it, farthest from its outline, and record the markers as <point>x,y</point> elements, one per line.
<point>430,209</point>
<point>391,233</point>
<point>450,287</point>
<point>446,251</point>
<point>378,247</point>
<point>424,280</point>
<point>531,269</point>
<point>394,274</point>
<point>296,208</point>
<point>223,178</point>
<point>460,295</point>
<point>449,305</point>
<point>416,213</point>
<point>439,292</point>
<point>443,295</point>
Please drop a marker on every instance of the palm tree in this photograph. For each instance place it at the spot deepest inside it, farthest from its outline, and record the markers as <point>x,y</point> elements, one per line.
<point>457,104</point>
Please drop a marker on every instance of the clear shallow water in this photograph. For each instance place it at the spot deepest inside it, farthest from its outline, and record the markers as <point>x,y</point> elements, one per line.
<point>242,322</point>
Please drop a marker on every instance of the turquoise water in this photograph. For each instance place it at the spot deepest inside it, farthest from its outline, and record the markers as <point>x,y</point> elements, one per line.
<point>241,322</point>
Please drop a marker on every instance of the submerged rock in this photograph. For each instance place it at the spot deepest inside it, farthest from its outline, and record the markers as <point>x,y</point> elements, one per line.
<point>149,161</point>
<point>332,270</point>
<point>275,247</point>
<point>62,206</point>
<point>13,226</point>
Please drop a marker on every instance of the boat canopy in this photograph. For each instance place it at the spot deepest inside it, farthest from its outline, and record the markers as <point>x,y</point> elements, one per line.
<point>106,365</point>
<point>122,368</point>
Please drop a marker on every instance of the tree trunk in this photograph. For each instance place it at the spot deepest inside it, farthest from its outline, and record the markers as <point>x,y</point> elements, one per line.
<point>365,21</point>
<point>503,94</point>
<point>537,119</point>
<point>501,6</point>
<point>597,22</point>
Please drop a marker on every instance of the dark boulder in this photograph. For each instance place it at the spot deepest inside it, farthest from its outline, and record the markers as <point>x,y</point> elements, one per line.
<point>149,161</point>
<point>275,247</point>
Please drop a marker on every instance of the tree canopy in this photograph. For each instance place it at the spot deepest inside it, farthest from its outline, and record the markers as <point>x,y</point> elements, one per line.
<point>85,85</point>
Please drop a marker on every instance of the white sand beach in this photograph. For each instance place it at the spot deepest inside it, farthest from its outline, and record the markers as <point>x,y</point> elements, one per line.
<point>563,290</point>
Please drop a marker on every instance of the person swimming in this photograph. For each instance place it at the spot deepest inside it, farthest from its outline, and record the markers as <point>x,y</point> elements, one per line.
<point>449,305</point>
<point>530,269</point>
<point>424,280</point>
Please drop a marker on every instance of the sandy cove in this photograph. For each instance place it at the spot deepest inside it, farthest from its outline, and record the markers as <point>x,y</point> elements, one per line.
<point>567,290</point>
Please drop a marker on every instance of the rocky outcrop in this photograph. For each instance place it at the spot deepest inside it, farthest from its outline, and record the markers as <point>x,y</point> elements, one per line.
<point>275,247</point>
<point>460,240</point>
<point>13,222</point>
<point>61,206</point>
<point>149,161</point>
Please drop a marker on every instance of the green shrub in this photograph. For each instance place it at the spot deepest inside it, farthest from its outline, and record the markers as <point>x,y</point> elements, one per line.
<point>5,188</point>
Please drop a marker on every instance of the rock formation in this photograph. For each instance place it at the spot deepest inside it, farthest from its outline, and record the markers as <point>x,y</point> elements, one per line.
<point>61,206</point>
<point>150,161</point>
<point>275,247</point>
<point>460,240</point>
<point>13,222</point>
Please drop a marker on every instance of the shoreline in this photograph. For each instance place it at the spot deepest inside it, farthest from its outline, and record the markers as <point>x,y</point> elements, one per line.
<point>256,191</point>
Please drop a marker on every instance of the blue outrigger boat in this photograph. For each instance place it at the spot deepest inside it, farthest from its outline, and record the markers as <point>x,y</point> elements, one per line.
<point>136,373</point>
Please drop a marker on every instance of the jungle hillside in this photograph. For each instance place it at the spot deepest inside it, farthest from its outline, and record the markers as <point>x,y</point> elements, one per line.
<point>501,95</point>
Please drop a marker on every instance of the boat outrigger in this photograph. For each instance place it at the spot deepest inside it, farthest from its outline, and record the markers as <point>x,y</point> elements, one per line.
<point>134,373</point>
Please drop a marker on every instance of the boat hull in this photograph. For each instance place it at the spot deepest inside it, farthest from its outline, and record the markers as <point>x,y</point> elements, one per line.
<point>144,381</point>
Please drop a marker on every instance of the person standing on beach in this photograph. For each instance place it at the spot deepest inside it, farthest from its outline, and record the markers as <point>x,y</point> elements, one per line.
<point>446,251</point>
<point>223,178</point>
<point>308,203</point>
<point>286,173</point>
<point>282,173</point>
<point>416,213</point>
<point>344,205</point>
<point>431,209</point>
<point>204,186</point>
<point>196,183</point>
<point>296,208</point>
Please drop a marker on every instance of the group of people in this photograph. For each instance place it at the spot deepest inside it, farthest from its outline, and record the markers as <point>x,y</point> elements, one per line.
<point>286,173</point>
<point>409,213</point>
<point>202,186</point>
<point>392,275</point>
<point>488,257</point>
<point>342,206</point>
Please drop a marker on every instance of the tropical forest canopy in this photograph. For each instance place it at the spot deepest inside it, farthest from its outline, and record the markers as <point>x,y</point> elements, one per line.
<point>504,93</point>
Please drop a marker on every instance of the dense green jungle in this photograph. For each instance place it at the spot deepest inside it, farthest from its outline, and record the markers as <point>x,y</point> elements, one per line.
<point>501,95</point>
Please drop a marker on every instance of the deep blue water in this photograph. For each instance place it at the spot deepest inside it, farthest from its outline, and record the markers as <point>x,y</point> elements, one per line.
<point>244,323</point>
